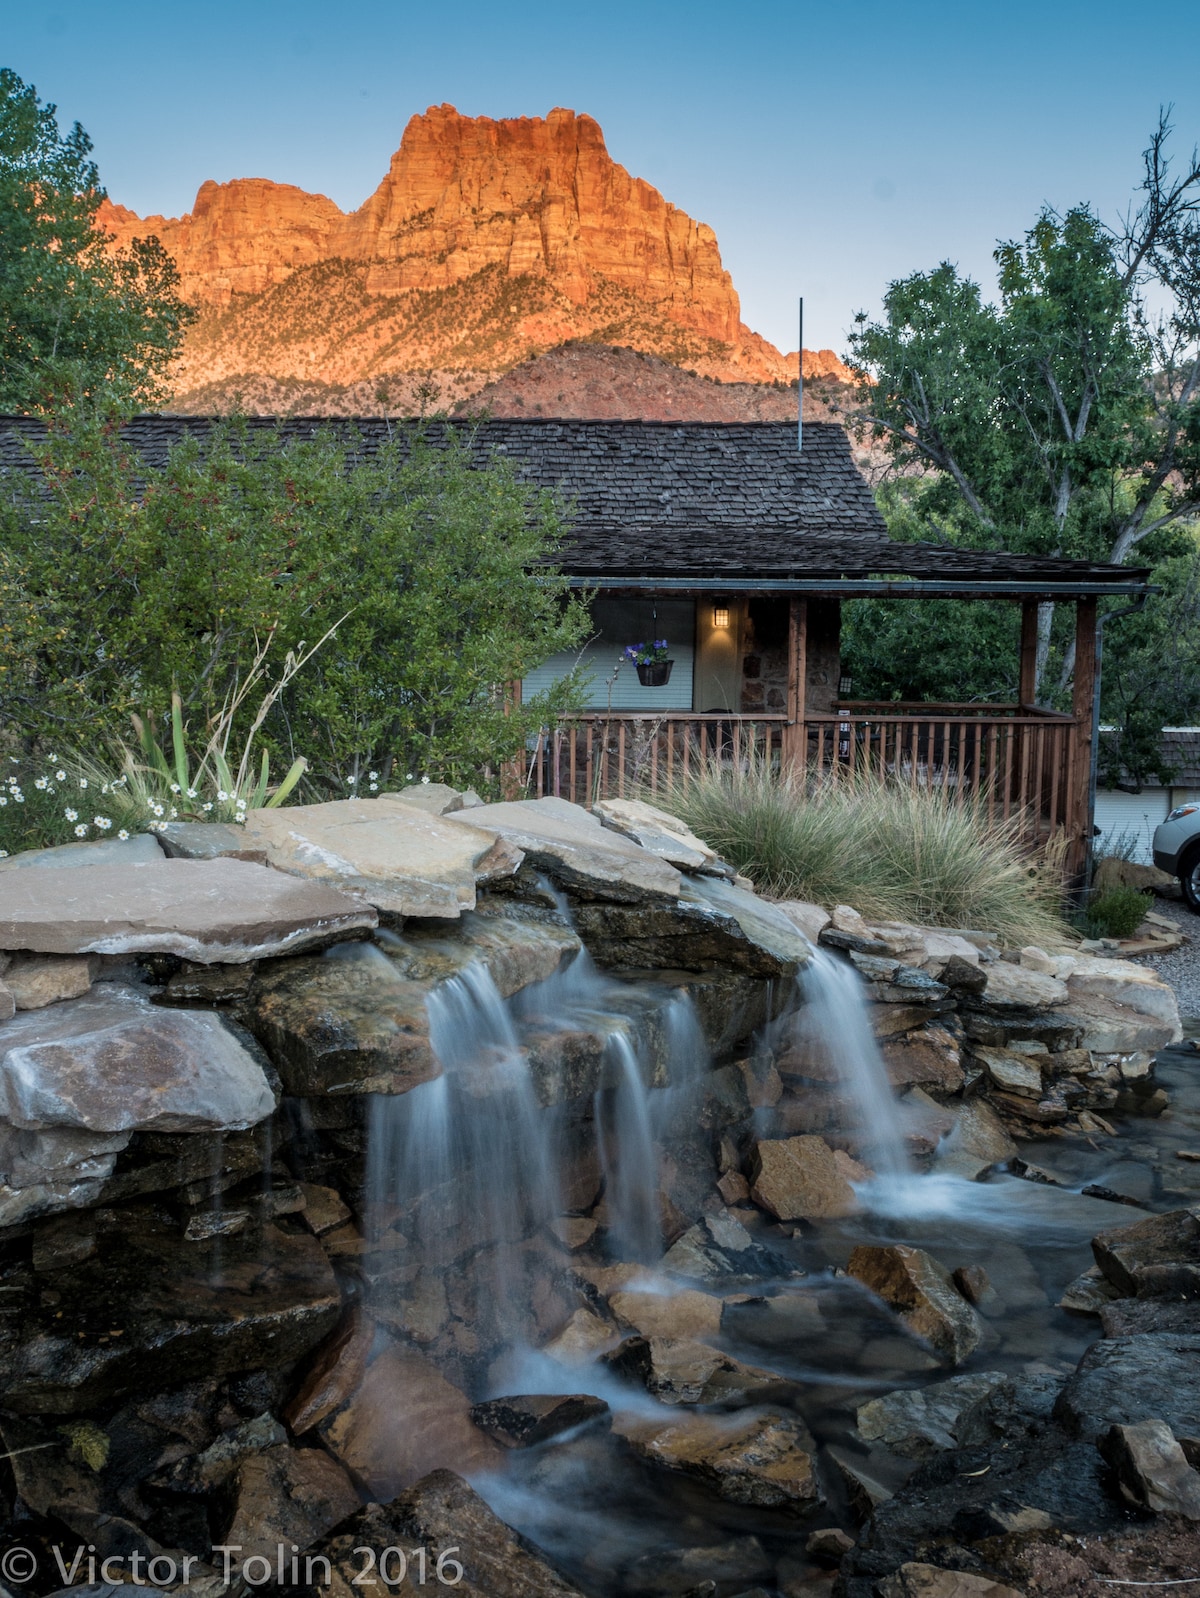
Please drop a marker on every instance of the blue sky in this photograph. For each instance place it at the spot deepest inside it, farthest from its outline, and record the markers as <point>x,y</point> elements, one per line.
<point>832,148</point>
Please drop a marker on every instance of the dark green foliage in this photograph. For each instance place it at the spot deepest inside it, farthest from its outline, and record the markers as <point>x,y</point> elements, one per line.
<point>75,319</point>
<point>1117,913</point>
<point>118,585</point>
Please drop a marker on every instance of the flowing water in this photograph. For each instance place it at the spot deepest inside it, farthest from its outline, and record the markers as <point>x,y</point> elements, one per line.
<point>475,1155</point>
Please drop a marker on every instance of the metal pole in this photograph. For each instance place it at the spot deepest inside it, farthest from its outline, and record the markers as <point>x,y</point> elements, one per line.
<point>800,382</point>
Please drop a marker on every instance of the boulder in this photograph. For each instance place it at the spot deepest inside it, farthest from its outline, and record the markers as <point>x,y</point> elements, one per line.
<point>35,983</point>
<point>685,1314</point>
<point>99,852</point>
<point>681,1371</point>
<point>443,1516</point>
<point>434,798</point>
<point>208,911</point>
<point>1112,872</point>
<point>1015,987</point>
<point>404,1420</point>
<point>797,1178</point>
<point>659,834</point>
<point>581,1339</point>
<point>915,1580</point>
<point>929,1058</point>
<point>333,1373</point>
<point>720,1246</point>
<point>920,1422</point>
<point>829,1545</point>
<point>921,1292</point>
<point>1155,1258</point>
<point>812,919</point>
<point>1103,1026</point>
<point>1132,987</point>
<point>713,925</point>
<point>113,1062</point>
<point>571,846</point>
<point>763,1460</point>
<point>144,1311</point>
<point>382,851</point>
<point>1151,1469</point>
<point>1011,1072</point>
<point>1088,1293</point>
<point>286,1496</point>
<point>979,1141</point>
<point>1121,1381</point>
<point>532,1418</point>
<point>323,1207</point>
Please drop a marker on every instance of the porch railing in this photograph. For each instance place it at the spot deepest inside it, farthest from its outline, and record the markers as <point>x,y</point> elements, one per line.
<point>1018,762</point>
<point>604,756</point>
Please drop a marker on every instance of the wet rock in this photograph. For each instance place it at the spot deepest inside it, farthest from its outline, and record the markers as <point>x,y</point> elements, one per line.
<point>112,1062</point>
<point>59,1169</point>
<point>1151,1469</point>
<point>719,1571</point>
<point>1126,1317</point>
<point>1011,1072</point>
<point>719,1247</point>
<point>681,1371</point>
<point>287,1496</point>
<point>343,1026</point>
<point>929,1058</point>
<point>714,926</point>
<point>1088,1293</point>
<point>734,1188</point>
<point>529,1419</point>
<point>863,1479</point>
<point>889,1020</point>
<point>963,976</point>
<point>404,1420</point>
<point>570,845</point>
<point>1155,1258</point>
<point>760,1459</point>
<point>909,985</point>
<point>323,1208</point>
<point>35,983</point>
<point>575,1232</point>
<point>333,1372</point>
<point>798,1178</point>
<point>1105,1027</point>
<point>143,1309</point>
<point>914,1580</point>
<point>685,1314</point>
<point>659,834</point>
<point>918,1422</point>
<point>979,1141</point>
<point>213,1466</point>
<point>384,851</point>
<point>441,1514</point>
<point>581,1339</point>
<point>829,1546</point>
<point>921,1292</point>
<point>1124,1380</point>
<point>223,910</point>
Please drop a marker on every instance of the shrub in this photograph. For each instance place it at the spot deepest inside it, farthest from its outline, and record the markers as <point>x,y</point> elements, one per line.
<point>1116,913</point>
<point>890,851</point>
<point>45,801</point>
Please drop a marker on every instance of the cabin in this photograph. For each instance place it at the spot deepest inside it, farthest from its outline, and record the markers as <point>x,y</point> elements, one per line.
<point>738,544</point>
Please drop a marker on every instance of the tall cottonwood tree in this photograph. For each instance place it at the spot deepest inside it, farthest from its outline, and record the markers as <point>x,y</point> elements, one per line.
<point>1065,418</point>
<point>77,320</point>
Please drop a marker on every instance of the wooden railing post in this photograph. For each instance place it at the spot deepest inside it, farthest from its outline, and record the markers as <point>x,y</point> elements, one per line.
<point>1079,803</point>
<point>794,743</point>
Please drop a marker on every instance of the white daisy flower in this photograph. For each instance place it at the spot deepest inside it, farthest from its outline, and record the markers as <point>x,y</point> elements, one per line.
<point>123,835</point>
<point>102,822</point>
<point>71,815</point>
<point>60,776</point>
<point>81,830</point>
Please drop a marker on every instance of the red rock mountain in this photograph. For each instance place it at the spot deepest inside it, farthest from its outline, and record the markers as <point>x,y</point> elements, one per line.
<point>487,243</point>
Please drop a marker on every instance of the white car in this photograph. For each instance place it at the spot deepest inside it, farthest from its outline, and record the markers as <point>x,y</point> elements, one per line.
<point>1177,850</point>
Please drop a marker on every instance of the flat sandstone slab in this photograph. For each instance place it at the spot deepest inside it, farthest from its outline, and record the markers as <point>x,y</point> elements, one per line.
<point>393,855</point>
<point>204,910</point>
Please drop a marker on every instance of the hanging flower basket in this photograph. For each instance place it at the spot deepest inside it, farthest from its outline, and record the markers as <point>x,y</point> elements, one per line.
<point>653,667</point>
<point>655,673</point>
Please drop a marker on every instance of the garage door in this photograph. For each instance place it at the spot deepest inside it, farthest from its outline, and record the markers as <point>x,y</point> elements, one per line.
<point>1130,818</point>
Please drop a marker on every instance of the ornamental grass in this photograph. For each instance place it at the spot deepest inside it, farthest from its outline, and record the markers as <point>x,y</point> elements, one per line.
<point>891,851</point>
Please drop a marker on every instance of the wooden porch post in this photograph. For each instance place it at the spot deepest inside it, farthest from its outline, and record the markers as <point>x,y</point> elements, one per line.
<point>795,735</point>
<point>1027,692</point>
<point>1083,710</point>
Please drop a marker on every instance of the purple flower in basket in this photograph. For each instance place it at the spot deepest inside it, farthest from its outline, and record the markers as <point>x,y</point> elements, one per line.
<point>647,654</point>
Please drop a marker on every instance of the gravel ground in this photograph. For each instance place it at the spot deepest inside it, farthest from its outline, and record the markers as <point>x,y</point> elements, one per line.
<point>1181,968</point>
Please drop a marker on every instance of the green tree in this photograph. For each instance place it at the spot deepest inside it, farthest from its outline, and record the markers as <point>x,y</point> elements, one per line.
<point>118,584</point>
<point>1065,418</point>
<point>76,318</point>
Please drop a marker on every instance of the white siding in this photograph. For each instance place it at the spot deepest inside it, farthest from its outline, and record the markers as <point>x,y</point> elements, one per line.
<point>628,621</point>
<point>1119,814</point>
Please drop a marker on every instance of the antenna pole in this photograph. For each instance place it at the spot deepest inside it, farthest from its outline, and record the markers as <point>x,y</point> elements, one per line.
<point>800,382</point>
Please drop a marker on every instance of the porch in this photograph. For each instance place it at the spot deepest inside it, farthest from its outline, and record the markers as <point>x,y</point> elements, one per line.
<point>1022,764</point>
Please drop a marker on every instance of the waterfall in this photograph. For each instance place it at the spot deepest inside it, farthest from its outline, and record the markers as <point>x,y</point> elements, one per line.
<point>833,1024</point>
<point>629,1157</point>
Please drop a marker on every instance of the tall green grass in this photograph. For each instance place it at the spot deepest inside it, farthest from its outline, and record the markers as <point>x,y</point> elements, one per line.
<point>892,852</point>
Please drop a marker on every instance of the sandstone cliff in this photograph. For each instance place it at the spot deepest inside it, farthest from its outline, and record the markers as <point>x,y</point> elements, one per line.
<point>487,242</point>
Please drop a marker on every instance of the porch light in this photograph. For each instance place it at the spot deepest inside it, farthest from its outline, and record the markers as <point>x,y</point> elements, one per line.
<point>720,615</point>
